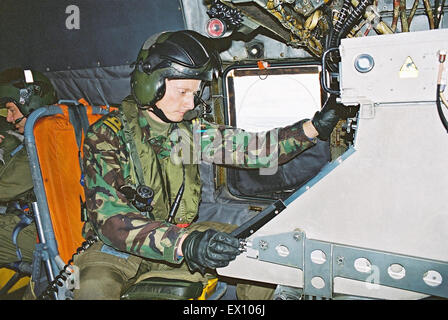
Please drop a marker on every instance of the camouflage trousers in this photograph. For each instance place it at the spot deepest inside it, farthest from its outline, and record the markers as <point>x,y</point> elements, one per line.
<point>26,239</point>
<point>105,273</point>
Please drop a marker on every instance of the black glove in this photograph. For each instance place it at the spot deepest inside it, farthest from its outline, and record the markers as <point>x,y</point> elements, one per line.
<point>326,119</point>
<point>209,249</point>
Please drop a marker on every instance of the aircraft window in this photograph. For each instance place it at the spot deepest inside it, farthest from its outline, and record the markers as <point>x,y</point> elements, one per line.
<point>260,100</point>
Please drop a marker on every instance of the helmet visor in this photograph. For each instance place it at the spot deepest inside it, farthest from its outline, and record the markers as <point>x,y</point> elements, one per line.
<point>185,53</point>
<point>177,71</point>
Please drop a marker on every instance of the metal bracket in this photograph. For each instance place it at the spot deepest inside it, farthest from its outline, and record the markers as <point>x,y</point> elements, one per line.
<point>322,261</point>
<point>392,270</point>
<point>287,293</point>
<point>284,248</point>
<point>367,110</point>
<point>318,270</point>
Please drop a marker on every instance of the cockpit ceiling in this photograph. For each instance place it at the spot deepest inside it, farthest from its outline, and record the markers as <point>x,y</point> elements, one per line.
<point>317,25</point>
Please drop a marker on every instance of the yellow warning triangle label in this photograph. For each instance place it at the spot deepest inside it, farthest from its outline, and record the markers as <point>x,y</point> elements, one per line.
<point>408,69</point>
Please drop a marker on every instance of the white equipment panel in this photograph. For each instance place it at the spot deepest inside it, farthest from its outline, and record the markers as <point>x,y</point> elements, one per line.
<point>384,203</point>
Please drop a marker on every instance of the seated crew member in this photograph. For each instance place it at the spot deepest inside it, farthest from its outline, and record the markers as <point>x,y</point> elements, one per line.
<point>20,94</point>
<point>134,147</point>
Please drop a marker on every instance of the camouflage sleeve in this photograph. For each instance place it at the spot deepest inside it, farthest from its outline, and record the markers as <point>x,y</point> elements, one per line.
<point>115,220</point>
<point>235,147</point>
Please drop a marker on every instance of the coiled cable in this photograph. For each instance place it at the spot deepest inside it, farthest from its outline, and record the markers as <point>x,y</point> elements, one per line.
<point>63,275</point>
<point>346,6</point>
<point>353,17</point>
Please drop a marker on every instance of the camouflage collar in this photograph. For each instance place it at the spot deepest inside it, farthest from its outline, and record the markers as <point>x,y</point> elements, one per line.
<point>161,144</point>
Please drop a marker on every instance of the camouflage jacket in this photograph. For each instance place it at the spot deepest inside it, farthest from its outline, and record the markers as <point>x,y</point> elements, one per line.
<point>107,167</point>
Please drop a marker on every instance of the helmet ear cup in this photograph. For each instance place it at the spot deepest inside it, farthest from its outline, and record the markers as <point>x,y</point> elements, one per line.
<point>34,103</point>
<point>147,89</point>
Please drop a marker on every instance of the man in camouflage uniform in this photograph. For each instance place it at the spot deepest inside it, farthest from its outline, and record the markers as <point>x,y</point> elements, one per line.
<point>19,96</point>
<point>149,143</point>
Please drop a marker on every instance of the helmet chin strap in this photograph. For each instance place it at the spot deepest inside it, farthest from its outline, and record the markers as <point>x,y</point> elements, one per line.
<point>158,112</point>
<point>18,120</point>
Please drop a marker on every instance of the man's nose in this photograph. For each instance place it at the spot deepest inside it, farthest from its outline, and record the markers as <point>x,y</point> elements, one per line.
<point>190,103</point>
<point>9,118</point>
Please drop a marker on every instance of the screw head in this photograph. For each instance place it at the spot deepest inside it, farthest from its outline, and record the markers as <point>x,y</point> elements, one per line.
<point>263,244</point>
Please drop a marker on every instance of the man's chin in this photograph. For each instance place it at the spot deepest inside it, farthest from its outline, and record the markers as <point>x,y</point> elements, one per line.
<point>177,117</point>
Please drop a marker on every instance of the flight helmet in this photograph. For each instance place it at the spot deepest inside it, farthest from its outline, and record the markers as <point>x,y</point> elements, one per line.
<point>181,54</point>
<point>28,89</point>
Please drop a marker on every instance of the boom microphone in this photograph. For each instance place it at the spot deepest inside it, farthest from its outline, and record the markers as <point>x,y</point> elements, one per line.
<point>192,114</point>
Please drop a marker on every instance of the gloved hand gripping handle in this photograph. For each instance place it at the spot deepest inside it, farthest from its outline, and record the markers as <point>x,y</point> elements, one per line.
<point>209,249</point>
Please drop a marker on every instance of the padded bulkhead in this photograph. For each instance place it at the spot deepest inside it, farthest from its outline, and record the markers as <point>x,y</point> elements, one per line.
<point>288,177</point>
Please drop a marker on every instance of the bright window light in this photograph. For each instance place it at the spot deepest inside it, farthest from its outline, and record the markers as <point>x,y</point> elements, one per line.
<point>263,102</point>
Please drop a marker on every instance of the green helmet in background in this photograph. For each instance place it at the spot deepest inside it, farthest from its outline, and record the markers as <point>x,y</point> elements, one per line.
<point>28,89</point>
<point>181,54</point>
